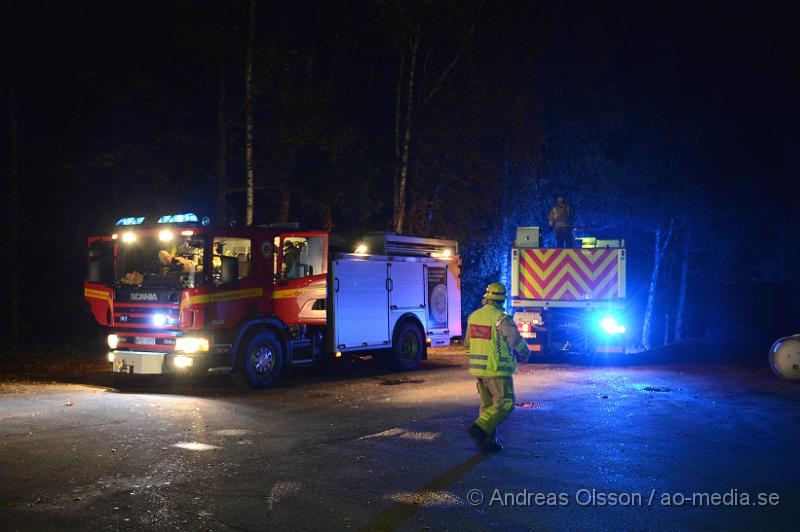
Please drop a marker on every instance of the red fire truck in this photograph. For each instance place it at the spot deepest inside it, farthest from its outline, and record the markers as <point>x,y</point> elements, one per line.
<point>569,300</point>
<point>178,294</point>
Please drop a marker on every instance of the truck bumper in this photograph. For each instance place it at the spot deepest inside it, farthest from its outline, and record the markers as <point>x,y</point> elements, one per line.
<point>159,363</point>
<point>137,362</point>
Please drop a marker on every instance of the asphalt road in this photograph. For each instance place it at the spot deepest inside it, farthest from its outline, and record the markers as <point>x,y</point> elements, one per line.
<point>591,448</point>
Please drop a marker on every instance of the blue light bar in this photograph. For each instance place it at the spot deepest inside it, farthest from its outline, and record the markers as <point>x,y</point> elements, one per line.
<point>131,220</point>
<point>178,218</point>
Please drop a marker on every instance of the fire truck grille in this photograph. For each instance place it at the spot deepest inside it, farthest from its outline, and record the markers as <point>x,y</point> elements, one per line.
<point>135,316</point>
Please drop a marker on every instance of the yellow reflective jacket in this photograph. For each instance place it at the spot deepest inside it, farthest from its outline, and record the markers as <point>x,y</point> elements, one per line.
<point>489,353</point>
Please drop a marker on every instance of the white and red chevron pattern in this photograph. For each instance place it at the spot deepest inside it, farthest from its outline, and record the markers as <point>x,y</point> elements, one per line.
<point>570,274</point>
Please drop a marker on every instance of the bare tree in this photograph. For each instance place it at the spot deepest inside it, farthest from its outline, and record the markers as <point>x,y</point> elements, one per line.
<point>12,202</point>
<point>681,307</point>
<point>15,41</point>
<point>249,113</point>
<point>402,174</point>
<point>398,109</point>
<point>662,239</point>
<point>412,84</point>
<point>286,203</point>
<point>222,141</point>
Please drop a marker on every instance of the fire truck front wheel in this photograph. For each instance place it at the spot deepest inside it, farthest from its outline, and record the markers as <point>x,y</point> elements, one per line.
<point>260,360</point>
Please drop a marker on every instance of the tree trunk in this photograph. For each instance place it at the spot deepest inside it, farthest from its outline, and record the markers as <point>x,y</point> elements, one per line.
<point>12,204</point>
<point>222,146</point>
<point>313,38</point>
<point>248,103</point>
<point>404,163</point>
<point>679,311</point>
<point>398,109</point>
<point>659,248</point>
<point>328,218</point>
<point>286,202</point>
<point>505,226</point>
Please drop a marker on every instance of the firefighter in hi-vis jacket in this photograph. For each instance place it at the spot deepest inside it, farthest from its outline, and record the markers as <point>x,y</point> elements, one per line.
<point>493,343</point>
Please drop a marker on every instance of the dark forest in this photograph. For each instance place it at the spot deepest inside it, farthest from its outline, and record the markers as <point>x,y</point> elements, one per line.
<point>671,125</point>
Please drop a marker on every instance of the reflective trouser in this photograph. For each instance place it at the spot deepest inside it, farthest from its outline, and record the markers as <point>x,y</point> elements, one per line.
<point>497,401</point>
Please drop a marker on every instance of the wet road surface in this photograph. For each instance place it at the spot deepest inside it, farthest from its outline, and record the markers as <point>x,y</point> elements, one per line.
<point>635,447</point>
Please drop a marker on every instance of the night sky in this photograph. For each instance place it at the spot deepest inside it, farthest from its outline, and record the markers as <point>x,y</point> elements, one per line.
<point>639,113</point>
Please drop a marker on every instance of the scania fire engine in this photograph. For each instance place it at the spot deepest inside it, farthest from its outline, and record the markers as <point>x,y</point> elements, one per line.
<point>569,299</point>
<point>178,294</point>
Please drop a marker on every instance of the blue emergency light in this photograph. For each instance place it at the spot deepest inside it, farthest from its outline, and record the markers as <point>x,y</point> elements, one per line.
<point>131,220</point>
<point>609,325</point>
<point>178,218</point>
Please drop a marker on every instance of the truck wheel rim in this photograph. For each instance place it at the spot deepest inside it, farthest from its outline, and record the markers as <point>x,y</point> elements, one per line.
<point>262,359</point>
<point>408,347</point>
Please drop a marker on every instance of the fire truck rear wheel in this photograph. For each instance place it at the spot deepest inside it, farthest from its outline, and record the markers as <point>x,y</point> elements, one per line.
<point>260,361</point>
<point>408,346</point>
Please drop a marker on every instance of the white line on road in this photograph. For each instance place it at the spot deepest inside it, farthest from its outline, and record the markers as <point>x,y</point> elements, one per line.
<point>421,436</point>
<point>426,498</point>
<point>195,446</point>
<point>383,434</point>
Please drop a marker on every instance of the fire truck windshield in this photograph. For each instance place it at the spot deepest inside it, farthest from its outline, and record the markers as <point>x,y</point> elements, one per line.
<point>165,261</point>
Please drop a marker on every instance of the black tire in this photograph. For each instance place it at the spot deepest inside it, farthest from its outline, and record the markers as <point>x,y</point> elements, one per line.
<point>408,346</point>
<point>260,360</point>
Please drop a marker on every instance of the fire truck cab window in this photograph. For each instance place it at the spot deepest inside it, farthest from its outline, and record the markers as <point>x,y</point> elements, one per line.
<point>302,257</point>
<point>152,261</point>
<point>233,248</point>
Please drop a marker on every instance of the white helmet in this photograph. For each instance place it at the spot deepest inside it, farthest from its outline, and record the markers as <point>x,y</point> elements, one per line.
<point>784,357</point>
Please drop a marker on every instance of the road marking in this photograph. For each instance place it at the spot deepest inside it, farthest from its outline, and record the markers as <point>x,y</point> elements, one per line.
<point>281,490</point>
<point>231,432</point>
<point>383,434</point>
<point>408,435</point>
<point>421,436</point>
<point>195,446</point>
<point>426,498</point>
<point>400,512</point>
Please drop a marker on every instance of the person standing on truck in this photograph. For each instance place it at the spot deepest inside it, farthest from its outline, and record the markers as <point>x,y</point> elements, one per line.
<point>560,218</point>
<point>492,341</point>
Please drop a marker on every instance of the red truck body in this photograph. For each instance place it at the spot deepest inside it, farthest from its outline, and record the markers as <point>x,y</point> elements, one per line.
<point>177,295</point>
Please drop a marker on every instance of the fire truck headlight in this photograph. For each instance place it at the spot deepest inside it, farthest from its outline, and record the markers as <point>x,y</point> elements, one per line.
<point>361,249</point>
<point>182,361</point>
<point>111,357</point>
<point>159,320</point>
<point>191,345</point>
<point>610,326</point>
<point>165,235</point>
<point>129,237</point>
<point>113,341</point>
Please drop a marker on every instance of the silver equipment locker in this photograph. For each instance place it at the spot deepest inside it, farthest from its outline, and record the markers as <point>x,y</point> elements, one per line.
<point>406,291</point>
<point>361,303</point>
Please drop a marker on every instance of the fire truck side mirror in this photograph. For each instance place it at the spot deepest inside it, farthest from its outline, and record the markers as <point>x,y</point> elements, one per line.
<point>230,269</point>
<point>100,267</point>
